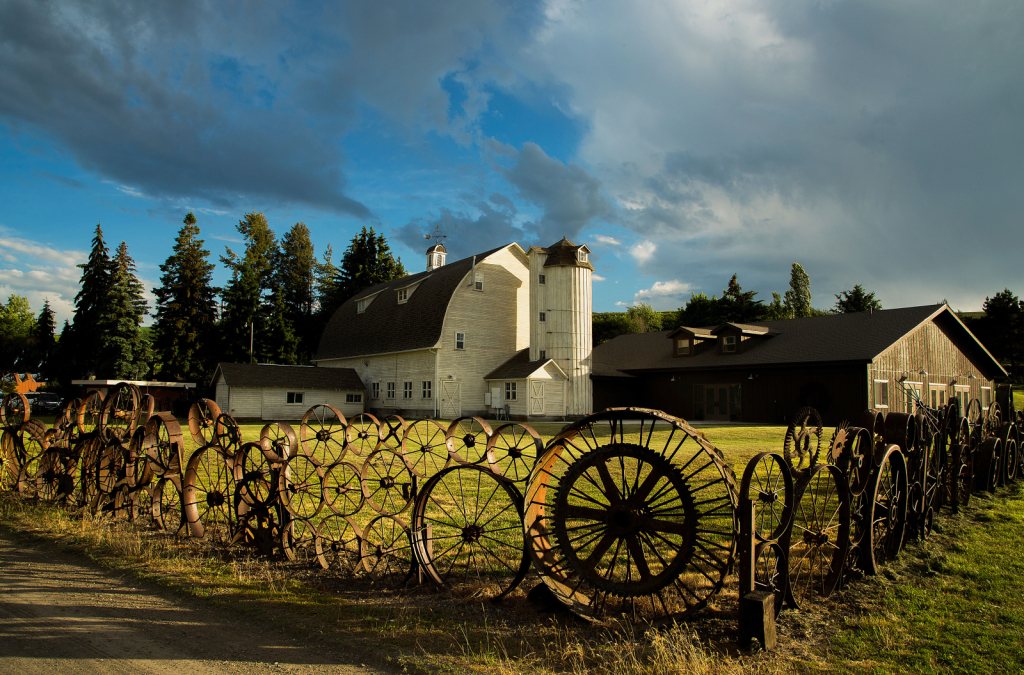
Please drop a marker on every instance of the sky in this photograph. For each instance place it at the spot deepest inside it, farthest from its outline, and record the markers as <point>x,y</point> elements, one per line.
<point>878,143</point>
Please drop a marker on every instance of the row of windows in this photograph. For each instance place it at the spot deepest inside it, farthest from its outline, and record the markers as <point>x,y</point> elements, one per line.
<point>937,395</point>
<point>426,389</point>
<point>299,397</point>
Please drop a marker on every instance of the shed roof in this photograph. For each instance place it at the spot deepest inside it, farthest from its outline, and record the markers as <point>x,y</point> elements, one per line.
<point>834,338</point>
<point>520,367</point>
<point>386,327</point>
<point>299,377</point>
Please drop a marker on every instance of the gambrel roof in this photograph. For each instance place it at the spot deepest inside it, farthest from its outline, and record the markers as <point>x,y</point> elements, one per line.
<point>387,326</point>
<point>834,338</point>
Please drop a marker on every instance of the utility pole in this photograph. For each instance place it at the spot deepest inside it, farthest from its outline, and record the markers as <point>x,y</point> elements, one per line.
<point>251,323</point>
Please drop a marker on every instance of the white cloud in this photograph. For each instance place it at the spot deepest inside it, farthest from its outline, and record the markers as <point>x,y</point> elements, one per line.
<point>40,272</point>
<point>597,277</point>
<point>664,295</point>
<point>611,241</point>
<point>643,251</point>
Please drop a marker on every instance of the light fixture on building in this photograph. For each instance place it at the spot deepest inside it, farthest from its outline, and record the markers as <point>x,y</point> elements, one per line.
<point>923,372</point>
<point>751,376</point>
<point>673,379</point>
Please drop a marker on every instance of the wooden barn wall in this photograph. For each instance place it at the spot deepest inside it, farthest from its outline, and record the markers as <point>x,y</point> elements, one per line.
<point>617,392</point>
<point>929,349</point>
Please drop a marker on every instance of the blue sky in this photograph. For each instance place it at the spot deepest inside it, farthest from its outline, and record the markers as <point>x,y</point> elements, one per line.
<point>876,142</point>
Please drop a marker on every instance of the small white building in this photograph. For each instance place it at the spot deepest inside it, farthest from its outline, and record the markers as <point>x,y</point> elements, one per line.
<point>281,393</point>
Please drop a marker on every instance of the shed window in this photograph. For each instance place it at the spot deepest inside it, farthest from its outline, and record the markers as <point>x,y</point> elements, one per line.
<point>542,280</point>
<point>375,390</point>
<point>295,397</point>
<point>881,393</point>
<point>510,391</point>
<point>682,347</point>
<point>460,340</point>
<point>428,389</point>
<point>986,397</point>
<point>543,317</point>
<point>729,343</point>
<point>361,306</point>
<point>391,390</point>
<point>403,295</point>
<point>913,390</point>
<point>353,398</point>
<point>938,395</point>
<point>962,392</point>
<point>407,390</point>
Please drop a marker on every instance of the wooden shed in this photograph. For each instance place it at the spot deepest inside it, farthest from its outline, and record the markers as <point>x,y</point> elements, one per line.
<point>764,372</point>
<point>530,389</point>
<point>280,393</point>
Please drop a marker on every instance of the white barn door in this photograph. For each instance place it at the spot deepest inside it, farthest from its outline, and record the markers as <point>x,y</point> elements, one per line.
<point>451,399</point>
<point>536,397</point>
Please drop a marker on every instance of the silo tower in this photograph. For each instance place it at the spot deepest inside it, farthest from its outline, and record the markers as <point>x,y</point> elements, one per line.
<point>561,316</point>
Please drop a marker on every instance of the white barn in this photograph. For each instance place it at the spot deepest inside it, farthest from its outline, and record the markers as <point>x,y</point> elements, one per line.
<point>271,392</point>
<point>505,327</point>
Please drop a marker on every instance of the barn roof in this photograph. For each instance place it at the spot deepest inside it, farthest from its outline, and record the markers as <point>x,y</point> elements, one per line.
<point>834,338</point>
<point>299,377</point>
<point>520,367</point>
<point>386,327</point>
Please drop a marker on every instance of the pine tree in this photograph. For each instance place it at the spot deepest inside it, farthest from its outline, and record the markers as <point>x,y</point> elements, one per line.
<point>44,341</point>
<point>856,300</point>
<point>280,342</point>
<point>186,309</point>
<point>82,345</point>
<point>124,351</point>
<point>367,261</point>
<point>295,271</point>
<point>250,285</point>
<point>798,297</point>
<point>739,306</point>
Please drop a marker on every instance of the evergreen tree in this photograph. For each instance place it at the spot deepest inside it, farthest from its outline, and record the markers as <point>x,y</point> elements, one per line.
<point>124,351</point>
<point>186,309</point>
<point>777,309</point>
<point>296,271</point>
<point>798,297</point>
<point>366,262</point>
<point>1001,330</point>
<point>243,300</point>
<point>83,342</point>
<point>44,341</point>
<point>701,311</point>
<point>280,344</point>
<point>739,306</point>
<point>856,300</point>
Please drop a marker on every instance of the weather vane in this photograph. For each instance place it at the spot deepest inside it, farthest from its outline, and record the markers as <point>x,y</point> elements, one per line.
<point>436,235</point>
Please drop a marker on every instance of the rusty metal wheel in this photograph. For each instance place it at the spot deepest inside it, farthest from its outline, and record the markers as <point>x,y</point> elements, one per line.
<point>338,545</point>
<point>164,446</point>
<point>322,433</point>
<point>343,488</point>
<point>771,572</point>
<point>960,476</point>
<point>30,443</point>
<point>901,430</point>
<point>119,412</point>
<point>803,440</point>
<point>427,448</point>
<point>146,405</point>
<point>10,462</point>
<point>1010,437</point>
<point>986,464</point>
<point>888,510</point>
<point>468,436</point>
<point>515,448</point>
<point>387,481</point>
<point>387,551</point>
<point>303,490</point>
<point>392,431</point>
<point>14,410</point>
<point>856,459</point>
<point>768,484</point>
<point>363,434</point>
<point>227,434</point>
<point>257,503</point>
<point>467,530</point>
<point>819,541</point>
<point>168,514</point>
<point>202,421</point>
<point>208,495</point>
<point>629,511</point>
<point>50,476</point>
<point>279,441</point>
<point>89,412</point>
<point>110,472</point>
<point>298,540</point>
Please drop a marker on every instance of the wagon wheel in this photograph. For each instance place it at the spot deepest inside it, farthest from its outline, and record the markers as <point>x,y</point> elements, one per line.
<point>167,505</point>
<point>856,459</point>
<point>937,463</point>
<point>138,473</point>
<point>303,493</point>
<point>50,476</point>
<point>338,545</point>
<point>427,448</point>
<point>467,530</point>
<point>986,464</point>
<point>960,477</point>
<point>387,551</point>
<point>279,441</point>
<point>322,433</point>
<point>119,412</point>
<point>89,412</point>
<point>515,449</point>
<point>819,541</point>
<point>888,510</point>
<point>14,409</point>
<point>393,430</point>
<point>992,421</point>
<point>630,511</point>
<point>209,488</point>
<point>142,506</point>
<point>30,444</point>
<point>88,462</point>
<point>343,489</point>
<point>10,464</point>
<point>202,421</point>
<point>146,405</point>
<point>771,572</point>
<point>227,434</point>
<point>387,481</point>
<point>363,434</point>
<point>110,469</point>
<point>901,430</point>
<point>803,440</point>
<point>469,437</point>
<point>164,445</point>
<point>257,479</point>
<point>973,413</point>
<point>298,540</point>
<point>1011,447</point>
<point>768,484</point>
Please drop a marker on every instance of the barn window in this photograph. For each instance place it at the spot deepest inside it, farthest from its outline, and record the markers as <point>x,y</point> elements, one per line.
<point>407,390</point>
<point>542,280</point>
<point>938,395</point>
<point>963,395</point>
<point>375,390</point>
<point>729,343</point>
<point>403,295</point>
<point>353,398</point>
<point>361,306</point>
<point>913,390</point>
<point>581,255</point>
<point>460,340</point>
<point>510,391</point>
<point>295,397</point>
<point>543,355</point>
<point>428,389</point>
<point>881,393</point>
<point>391,390</point>
<point>543,317</point>
<point>986,397</point>
<point>682,347</point>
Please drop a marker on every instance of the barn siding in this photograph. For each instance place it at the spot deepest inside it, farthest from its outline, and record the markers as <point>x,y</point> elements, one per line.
<point>415,367</point>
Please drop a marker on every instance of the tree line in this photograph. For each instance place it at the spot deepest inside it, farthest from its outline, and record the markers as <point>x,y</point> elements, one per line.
<point>277,300</point>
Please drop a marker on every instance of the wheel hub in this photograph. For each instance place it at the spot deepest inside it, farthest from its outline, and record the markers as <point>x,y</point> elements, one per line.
<point>387,482</point>
<point>469,440</point>
<point>471,533</point>
<point>323,435</point>
<point>215,498</point>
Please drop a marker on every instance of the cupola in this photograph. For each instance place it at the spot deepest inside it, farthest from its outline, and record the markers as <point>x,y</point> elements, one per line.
<point>435,256</point>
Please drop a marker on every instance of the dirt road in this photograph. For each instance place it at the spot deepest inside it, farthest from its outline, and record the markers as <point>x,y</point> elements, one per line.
<point>60,614</point>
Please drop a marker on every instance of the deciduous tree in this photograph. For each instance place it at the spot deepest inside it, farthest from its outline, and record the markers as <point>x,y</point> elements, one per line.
<point>798,297</point>
<point>856,300</point>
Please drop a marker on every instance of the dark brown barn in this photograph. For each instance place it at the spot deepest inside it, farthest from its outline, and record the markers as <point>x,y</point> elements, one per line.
<point>840,364</point>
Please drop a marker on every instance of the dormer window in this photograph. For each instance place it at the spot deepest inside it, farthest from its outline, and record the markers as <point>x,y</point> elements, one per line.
<point>581,255</point>
<point>682,347</point>
<point>361,306</point>
<point>403,295</point>
<point>729,344</point>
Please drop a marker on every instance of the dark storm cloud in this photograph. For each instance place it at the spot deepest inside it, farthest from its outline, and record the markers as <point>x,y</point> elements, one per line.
<point>486,224</point>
